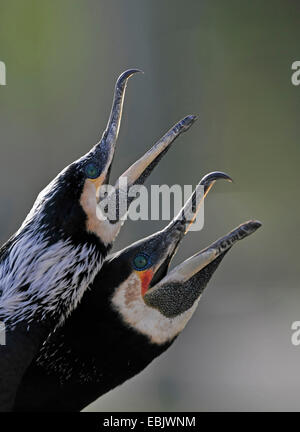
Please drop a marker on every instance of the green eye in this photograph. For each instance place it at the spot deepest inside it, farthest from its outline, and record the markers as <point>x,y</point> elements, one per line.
<point>141,262</point>
<point>92,171</point>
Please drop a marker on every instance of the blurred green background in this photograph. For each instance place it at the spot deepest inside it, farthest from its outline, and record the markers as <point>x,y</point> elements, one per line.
<point>228,61</point>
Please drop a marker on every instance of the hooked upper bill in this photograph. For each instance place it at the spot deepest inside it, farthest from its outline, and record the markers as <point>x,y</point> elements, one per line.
<point>170,237</point>
<point>98,161</point>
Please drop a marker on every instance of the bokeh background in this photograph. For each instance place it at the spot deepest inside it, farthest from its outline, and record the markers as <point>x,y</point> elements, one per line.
<point>229,62</point>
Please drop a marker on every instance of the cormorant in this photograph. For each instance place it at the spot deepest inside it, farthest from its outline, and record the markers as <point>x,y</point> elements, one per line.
<point>46,266</point>
<point>132,313</point>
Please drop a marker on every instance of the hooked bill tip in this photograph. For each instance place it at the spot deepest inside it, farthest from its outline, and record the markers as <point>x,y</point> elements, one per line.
<point>249,227</point>
<point>254,224</point>
<point>187,121</point>
<point>215,175</point>
<point>127,74</point>
<point>190,119</point>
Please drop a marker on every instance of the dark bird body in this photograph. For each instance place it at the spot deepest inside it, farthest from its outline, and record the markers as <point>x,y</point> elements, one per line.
<point>95,353</point>
<point>131,314</point>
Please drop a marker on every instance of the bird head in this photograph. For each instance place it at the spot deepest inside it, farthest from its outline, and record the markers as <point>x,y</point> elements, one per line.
<point>157,302</point>
<point>68,207</point>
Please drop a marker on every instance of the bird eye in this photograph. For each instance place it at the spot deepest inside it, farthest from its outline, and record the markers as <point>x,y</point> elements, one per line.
<point>92,171</point>
<point>141,262</point>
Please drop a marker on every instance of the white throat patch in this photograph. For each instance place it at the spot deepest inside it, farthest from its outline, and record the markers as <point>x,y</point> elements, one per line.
<point>104,229</point>
<point>129,303</point>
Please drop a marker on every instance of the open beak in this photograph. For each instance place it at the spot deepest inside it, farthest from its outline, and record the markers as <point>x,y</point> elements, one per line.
<point>119,198</point>
<point>178,291</point>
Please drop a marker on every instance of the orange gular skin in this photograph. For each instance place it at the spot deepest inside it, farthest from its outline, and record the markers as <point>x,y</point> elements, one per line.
<point>145,277</point>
